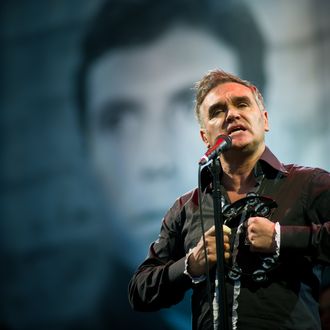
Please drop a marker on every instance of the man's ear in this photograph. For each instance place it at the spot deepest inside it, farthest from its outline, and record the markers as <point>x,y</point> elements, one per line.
<point>204,137</point>
<point>266,121</point>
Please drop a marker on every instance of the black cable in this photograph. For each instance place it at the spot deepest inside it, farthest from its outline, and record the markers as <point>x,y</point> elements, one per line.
<point>207,267</point>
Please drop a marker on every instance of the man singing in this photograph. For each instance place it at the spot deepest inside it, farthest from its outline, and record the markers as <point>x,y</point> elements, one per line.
<point>274,259</point>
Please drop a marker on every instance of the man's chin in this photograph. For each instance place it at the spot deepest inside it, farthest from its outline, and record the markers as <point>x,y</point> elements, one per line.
<point>242,147</point>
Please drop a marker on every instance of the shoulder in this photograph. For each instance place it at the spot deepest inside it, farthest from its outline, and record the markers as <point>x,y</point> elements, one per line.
<point>189,198</point>
<point>313,180</point>
<point>305,171</point>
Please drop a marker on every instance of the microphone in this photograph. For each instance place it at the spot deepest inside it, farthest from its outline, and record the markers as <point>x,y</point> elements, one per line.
<point>222,143</point>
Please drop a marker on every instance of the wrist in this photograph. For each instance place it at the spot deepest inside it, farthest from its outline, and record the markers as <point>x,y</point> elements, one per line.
<point>187,270</point>
<point>277,238</point>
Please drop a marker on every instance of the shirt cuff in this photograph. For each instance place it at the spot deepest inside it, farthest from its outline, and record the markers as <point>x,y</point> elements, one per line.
<point>277,239</point>
<point>194,279</point>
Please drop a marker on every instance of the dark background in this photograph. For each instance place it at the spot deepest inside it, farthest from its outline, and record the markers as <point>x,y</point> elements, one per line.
<point>55,247</point>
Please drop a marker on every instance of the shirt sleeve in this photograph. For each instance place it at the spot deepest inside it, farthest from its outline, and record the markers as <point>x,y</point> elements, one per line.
<point>160,280</point>
<point>313,240</point>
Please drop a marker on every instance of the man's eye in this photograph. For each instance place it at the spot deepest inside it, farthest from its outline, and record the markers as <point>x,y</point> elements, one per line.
<point>242,105</point>
<point>216,112</point>
<point>110,119</point>
<point>113,116</point>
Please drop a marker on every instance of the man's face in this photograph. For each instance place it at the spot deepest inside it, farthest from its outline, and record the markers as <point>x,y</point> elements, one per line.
<point>231,109</point>
<point>143,136</point>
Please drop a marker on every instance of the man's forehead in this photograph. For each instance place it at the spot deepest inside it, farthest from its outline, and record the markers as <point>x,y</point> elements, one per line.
<point>227,90</point>
<point>231,88</point>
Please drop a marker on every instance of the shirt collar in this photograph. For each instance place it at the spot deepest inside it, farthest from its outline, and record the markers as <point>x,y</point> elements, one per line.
<point>269,158</point>
<point>267,163</point>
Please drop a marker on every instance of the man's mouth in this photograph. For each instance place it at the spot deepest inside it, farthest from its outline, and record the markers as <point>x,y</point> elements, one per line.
<point>236,129</point>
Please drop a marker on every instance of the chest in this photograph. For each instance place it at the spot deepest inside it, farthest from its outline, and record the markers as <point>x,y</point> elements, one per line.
<point>290,208</point>
<point>234,196</point>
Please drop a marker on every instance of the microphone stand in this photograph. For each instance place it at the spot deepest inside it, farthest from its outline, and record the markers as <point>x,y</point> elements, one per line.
<point>216,170</point>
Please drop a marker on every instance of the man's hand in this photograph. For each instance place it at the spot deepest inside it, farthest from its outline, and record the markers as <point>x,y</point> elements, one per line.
<point>196,261</point>
<point>261,234</point>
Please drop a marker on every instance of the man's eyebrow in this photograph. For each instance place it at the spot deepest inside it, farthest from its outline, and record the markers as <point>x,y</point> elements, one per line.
<point>216,106</point>
<point>223,105</point>
<point>113,109</point>
<point>120,104</point>
<point>237,99</point>
<point>212,110</point>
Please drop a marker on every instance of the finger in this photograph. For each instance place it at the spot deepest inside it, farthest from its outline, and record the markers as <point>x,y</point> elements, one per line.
<point>211,254</point>
<point>250,237</point>
<point>252,226</point>
<point>226,246</point>
<point>250,221</point>
<point>210,231</point>
<point>227,255</point>
<point>226,229</point>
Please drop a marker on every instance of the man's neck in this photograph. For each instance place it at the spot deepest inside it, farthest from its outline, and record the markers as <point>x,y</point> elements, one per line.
<point>238,168</point>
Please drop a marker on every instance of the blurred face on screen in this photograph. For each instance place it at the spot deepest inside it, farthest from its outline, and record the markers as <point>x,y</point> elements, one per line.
<point>143,136</point>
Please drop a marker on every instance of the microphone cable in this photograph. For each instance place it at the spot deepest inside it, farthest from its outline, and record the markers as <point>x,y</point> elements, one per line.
<point>207,267</point>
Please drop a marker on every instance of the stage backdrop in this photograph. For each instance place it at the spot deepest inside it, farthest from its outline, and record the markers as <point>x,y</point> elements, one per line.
<point>99,136</point>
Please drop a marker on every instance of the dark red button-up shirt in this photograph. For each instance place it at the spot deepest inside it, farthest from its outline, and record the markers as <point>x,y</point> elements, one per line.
<point>288,299</point>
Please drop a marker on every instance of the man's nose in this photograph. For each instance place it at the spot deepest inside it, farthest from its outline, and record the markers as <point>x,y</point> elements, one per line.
<point>232,113</point>
<point>157,162</point>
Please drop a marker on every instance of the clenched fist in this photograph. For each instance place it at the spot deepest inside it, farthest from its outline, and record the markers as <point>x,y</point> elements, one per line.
<point>261,235</point>
<point>196,261</point>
